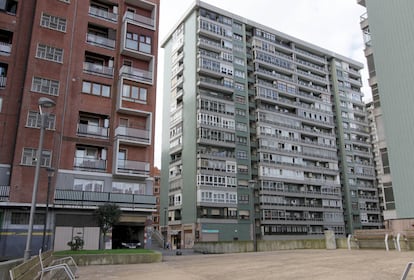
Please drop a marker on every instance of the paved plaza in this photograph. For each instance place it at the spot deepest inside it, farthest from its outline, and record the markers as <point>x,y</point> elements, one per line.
<point>291,264</point>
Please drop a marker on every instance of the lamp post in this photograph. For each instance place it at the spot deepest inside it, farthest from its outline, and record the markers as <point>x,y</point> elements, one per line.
<point>50,174</point>
<point>45,103</point>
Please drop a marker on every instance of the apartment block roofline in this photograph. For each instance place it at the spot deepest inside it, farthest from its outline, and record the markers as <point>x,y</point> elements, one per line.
<point>322,51</point>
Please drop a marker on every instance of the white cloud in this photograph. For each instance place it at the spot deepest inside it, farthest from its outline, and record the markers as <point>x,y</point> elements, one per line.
<point>330,24</point>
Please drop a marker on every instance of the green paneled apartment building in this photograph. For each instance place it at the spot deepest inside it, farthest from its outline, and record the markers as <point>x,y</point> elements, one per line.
<point>265,135</point>
<point>387,28</point>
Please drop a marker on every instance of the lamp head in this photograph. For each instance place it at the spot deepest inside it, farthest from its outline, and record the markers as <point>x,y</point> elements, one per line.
<point>46,102</point>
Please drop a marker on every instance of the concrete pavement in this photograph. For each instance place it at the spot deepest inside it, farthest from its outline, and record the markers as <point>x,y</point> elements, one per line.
<point>290,264</point>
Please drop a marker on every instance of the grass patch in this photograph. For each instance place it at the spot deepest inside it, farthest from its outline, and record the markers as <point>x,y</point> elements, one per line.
<point>104,252</point>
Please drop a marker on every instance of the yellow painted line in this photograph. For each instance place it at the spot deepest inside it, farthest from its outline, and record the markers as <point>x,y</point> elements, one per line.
<point>24,233</point>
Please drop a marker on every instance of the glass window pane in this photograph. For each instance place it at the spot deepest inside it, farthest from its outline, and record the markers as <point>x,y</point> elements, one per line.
<point>86,87</point>
<point>125,90</point>
<point>143,94</point>
<point>134,92</point>
<point>96,89</point>
<point>106,91</point>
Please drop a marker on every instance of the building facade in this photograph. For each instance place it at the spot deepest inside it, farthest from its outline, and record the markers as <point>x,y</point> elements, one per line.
<point>250,145</point>
<point>390,83</point>
<point>97,61</point>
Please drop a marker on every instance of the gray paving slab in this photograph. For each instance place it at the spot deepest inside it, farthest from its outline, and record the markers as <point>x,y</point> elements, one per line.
<point>291,264</point>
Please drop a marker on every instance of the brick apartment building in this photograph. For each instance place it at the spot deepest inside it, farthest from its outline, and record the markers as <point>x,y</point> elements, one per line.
<point>97,61</point>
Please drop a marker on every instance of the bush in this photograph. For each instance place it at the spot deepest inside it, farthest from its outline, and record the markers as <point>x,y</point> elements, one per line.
<point>76,243</point>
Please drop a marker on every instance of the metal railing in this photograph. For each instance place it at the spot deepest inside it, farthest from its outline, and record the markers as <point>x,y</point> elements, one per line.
<point>90,198</point>
<point>4,193</point>
<point>103,14</point>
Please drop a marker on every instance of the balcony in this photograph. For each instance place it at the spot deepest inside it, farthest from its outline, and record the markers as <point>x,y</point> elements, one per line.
<point>98,69</point>
<point>133,135</point>
<point>103,14</point>
<point>5,48</point>
<point>92,131</point>
<point>213,84</point>
<point>4,193</point>
<point>137,75</point>
<point>100,41</point>
<point>140,20</point>
<point>137,49</point>
<point>3,82</point>
<point>90,164</point>
<point>132,168</point>
<point>87,199</point>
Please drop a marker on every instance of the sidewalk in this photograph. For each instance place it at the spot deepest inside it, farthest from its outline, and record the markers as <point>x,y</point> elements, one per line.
<point>285,265</point>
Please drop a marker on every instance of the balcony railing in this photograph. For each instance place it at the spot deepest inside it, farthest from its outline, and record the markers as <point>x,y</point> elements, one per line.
<point>100,41</point>
<point>3,82</point>
<point>142,20</point>
<point>87,198</point>
<point>98,69</point>
<point>136,74</point>
<point>92,130</point>
<point>4,193</point>
<point>100,13</point>
<point>89,163</point>
<point>5,48</point>
<point>133,134</point>
<point>132,167</point>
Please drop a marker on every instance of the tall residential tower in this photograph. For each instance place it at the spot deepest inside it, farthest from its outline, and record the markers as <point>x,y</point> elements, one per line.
<point>250,145</point>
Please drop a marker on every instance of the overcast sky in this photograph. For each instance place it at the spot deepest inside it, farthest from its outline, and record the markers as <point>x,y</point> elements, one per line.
<point>330,24</point>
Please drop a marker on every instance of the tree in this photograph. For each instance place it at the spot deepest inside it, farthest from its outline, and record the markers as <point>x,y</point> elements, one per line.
<point>107,215</point>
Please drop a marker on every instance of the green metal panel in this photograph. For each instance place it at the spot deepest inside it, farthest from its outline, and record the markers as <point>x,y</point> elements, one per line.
<point>391,24</point>
<point>165,134</point>
<point>189,151</point>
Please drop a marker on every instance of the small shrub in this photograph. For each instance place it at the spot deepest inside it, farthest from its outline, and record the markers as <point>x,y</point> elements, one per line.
<point>76,243</point>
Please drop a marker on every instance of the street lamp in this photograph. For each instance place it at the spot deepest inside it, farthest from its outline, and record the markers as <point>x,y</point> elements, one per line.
<point>50,174</point>
<point>44,103</point>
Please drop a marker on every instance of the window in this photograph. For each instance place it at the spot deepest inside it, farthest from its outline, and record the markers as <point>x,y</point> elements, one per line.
<point>1,103</point>
<point>46,86</point>
<point>52,22</point>
<point>128,188</point>
<point>244,214</point>
<point>96,89</point>
<point>49,53</point>
<point>29,157</point>
<point>241,127</point>
<point>385,161</point>
<point>241,154</point>
<point>19,218</point>
<point>239,61</point>
<point>34,120</point>
<point>134,93</point>
<point>88,185</point>
<point>242,140</point>
<point>239,74</point>
<point>137,42</point>
<point>9,6</point>
<point>240,99</point>
<point>240,112</point>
